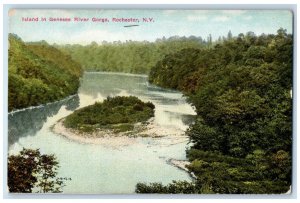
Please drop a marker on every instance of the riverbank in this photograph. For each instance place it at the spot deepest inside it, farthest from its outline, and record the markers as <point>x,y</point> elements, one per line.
<point>41,105</point>
<point>118,163</point>
<point>182,165</point>
<point>112,139</point>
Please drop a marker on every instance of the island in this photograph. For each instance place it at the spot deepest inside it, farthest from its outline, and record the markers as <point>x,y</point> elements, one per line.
<point>116,117</point>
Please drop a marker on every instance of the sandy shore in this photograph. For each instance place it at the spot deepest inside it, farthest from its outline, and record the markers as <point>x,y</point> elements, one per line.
<point>111,139</point>
<point>99,137</point>
<point>181,164</point>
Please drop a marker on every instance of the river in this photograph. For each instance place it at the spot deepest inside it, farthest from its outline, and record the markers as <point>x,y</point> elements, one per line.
<point>105,169</point>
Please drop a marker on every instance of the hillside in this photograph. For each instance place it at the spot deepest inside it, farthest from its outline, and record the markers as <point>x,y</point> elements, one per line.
<point>242,137</point>
<point>39,73</point>
<point>130,56</point>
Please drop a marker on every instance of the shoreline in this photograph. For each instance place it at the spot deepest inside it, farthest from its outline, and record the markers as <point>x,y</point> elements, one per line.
<point>96,138</point>
<point>111,139</point>
<point>116,73</point>
<point>41,105</point>
<point>181,164</point>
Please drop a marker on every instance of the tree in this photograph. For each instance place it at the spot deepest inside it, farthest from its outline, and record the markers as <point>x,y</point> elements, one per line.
<point>229,35</point>
<point>130,56</point>
<point>30,171</point>
<point>39,73</point>
<point>209,40</point>
<point>240,89</point>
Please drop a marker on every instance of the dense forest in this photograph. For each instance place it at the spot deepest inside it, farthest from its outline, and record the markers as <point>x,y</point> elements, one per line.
<point>242,136</point>
<point>130,56</point>
<point>240,87</point>
<point>39,73</point>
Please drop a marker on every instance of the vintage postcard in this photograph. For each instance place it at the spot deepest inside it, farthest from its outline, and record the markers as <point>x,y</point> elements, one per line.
<point>137,101</point>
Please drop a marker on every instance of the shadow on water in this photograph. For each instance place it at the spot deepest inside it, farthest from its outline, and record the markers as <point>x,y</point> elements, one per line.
<point>109,169</point>
<point>30,121</point>
<point>151,87</point>
<point>186,119</point>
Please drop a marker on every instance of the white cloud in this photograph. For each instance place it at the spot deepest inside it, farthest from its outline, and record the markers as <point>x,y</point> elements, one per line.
<point>200,12</point>
<point>196,18</point>
<point>228,14</point>
<point>248,17</point>
<point>191,12</point>
<point>233,12</point>
<point>98,36</point>
<point>169,12</point>
<point>221,18</point>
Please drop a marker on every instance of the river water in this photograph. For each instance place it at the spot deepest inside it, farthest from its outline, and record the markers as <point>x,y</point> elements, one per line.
<point>105,169</point>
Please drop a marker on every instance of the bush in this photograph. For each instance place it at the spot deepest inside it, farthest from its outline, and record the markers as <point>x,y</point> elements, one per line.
<point>117,113</point>
<point>176,187</point>
<point>30,170</point>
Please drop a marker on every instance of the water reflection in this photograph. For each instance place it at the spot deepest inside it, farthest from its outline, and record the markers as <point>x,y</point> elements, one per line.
<point>171,107</point>
<point>187,119</point>
<point>111,84</point>
<point>30,121</point>
<point>97,169</point>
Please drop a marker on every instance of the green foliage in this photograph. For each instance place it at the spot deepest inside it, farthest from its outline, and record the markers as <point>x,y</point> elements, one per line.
<point>174,68</point>
<point>242,105</point>
<point>253,174</point>
<point>241,91</point>
<point>175,187</point>
<point>210,156</point>
<point>220,174</point>
<point>129,56</point>
<point>39,73</point>
<point>117,113</point>
<point>124,127</point>
<point>32,171</point>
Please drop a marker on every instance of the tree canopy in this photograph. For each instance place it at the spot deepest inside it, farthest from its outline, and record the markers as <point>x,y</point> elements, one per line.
<point>241,91</point>
<point>30,171</point>
<point>129,56</point>
<point>118,113</point>
<point>39,73</point>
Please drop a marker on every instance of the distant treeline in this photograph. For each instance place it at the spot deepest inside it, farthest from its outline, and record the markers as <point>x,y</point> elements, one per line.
<point>39,73</point>
<point>130,56</point>
<point>242,136</point>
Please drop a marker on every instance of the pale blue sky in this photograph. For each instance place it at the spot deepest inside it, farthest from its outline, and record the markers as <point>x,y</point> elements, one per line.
<point>167,23</point>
